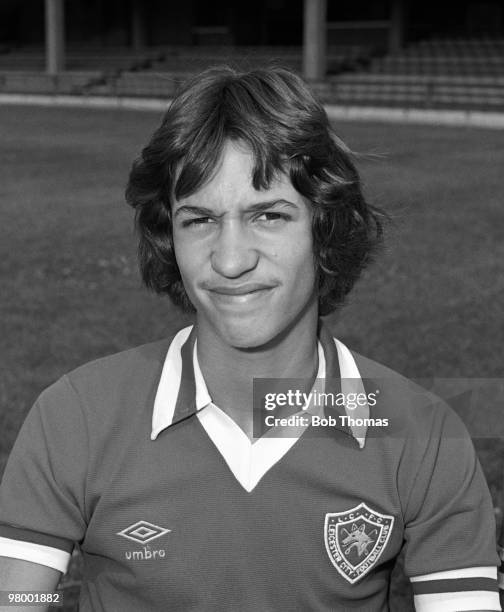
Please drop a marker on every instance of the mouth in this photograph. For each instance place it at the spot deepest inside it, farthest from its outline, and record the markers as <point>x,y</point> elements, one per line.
<point>239,294</point>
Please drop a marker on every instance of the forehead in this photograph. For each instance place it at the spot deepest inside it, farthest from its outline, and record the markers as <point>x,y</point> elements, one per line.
<point>231,183</point>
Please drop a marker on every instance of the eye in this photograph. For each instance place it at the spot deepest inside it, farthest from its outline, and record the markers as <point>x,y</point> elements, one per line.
<point>197,222</point>
<point>271,217</point>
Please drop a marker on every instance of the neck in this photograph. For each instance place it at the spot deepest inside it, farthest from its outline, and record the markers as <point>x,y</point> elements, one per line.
<point>229,371</point>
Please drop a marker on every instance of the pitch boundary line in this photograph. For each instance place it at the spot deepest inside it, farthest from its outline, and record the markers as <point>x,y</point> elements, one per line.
<point>483,119</point>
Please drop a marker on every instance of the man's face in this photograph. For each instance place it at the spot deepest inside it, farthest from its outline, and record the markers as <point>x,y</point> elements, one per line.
<point>245,256</point>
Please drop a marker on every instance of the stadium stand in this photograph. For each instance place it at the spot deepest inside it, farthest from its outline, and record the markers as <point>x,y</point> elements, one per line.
<point>447,73</point>
<point>21,70</point>
<point>88,58</point>
<point>437,73</point>
<point>415,91</point>
<point>177,63</point>
<point>26,82</point>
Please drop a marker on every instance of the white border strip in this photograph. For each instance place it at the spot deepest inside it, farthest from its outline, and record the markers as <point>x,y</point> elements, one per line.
<point>488,119</point>
<point>36,553</point>
<point>489,571</point>
<point>155,104</point>
<point>467,601</point>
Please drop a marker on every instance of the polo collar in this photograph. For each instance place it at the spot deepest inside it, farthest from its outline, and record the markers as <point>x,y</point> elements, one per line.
<point>203,396</point>
<point>182,390</point>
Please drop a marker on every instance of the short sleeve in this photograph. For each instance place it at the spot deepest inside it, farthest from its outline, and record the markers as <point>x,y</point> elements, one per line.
<point>500,574</point>
<point>42,494</point>
<point>450,552</point>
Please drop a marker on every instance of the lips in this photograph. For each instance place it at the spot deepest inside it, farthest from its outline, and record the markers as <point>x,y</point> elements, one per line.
<point>239,289</point>
<point>239,295</point>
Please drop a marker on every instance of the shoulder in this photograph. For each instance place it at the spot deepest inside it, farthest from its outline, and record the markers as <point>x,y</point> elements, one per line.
<point>120,369</point>
<point>412,408</point>
<point>108,385</point>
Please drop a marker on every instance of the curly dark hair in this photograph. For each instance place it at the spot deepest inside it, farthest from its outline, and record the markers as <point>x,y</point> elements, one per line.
<point>275,114</point>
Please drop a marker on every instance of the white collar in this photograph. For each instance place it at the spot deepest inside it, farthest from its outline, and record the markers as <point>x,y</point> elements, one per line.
<point>171,383</point>
<point>203,396</point>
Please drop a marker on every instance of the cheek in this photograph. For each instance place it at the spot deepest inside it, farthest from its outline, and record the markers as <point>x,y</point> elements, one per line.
<point>186,255</point>
<point>307,269</point>
<point>297,254</point>
<point>297,265</point>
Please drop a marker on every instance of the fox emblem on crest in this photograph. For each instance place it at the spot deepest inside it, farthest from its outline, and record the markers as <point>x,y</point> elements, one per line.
<point>357,538</point>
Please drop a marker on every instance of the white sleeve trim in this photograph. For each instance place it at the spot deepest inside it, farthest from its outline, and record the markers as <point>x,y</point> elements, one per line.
<point>36,553</point>
<point>457,602</point>
<point>466,572</point>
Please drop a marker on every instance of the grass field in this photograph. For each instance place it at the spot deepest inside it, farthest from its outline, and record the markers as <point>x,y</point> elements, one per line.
<point>431,306</point>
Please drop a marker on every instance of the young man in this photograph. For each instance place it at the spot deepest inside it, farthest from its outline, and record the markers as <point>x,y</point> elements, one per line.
<point>250,212</point>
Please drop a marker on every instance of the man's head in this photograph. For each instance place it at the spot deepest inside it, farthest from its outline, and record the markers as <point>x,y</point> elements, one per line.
<point>265,127</point>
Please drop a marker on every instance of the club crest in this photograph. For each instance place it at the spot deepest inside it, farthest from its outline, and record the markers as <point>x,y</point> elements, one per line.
<point>355,539</point>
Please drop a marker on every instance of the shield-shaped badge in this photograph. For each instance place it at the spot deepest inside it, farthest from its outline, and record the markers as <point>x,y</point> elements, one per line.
<point>355,539</point>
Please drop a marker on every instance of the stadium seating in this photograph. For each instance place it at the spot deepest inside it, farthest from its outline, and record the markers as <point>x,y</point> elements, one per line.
<point>175,64</point>
<point>26,82</point>
<point>107,59</point>
<point>415,91</point>
<point>450,57</point>
<point>446,73</point>
<point>197,58</point>
<point>436,73</point>
<point>22,70</point>
<point>146,84</point>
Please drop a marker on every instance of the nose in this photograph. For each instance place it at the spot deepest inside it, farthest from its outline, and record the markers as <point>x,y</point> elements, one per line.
<point>233,253</point>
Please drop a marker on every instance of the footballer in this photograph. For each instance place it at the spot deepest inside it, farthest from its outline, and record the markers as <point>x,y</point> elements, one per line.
<point>250,213</point>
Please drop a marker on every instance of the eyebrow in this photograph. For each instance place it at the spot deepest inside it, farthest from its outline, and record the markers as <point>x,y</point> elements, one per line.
<point>257,207</point>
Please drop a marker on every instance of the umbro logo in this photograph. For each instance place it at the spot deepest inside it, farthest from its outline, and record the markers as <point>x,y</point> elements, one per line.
<point>143,532</point>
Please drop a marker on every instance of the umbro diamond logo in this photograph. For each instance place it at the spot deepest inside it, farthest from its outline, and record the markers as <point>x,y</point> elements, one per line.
<point>143,532</point>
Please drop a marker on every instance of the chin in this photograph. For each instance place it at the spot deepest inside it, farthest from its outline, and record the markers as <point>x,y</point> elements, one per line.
<point>248,336</point>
